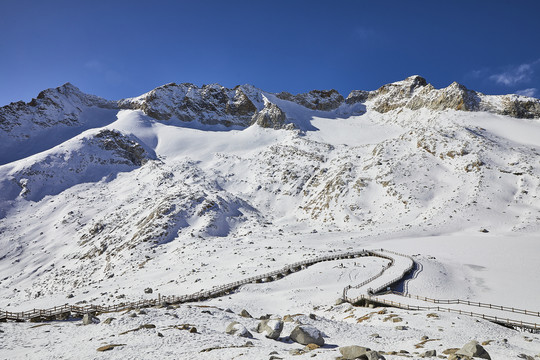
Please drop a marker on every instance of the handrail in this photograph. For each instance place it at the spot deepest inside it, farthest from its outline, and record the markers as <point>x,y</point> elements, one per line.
<point>469,303</point>
<point>506,321</point>
<point>200,295</point>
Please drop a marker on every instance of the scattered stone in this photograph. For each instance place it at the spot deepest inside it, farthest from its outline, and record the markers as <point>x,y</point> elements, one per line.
<point>142,312</point>
<point>429,353</point>
<point>306,334</point>
<point>148,291</point>
<point>374,355</point>
<point>397,319</point>
<point>288,318</point>
<point>353,351</point>
<point>450,351</point>
<point>193,330</point>
<point>109,347</point>
<point>525,356</point>
<point>235,328</point>
<point>487,342</point>
<point>274,353</point>
<point>376,336</point>
<point>310,347</point>
<point>275,358</point>
<point>401,327</point>
<point>312,316</point>
<point>339,301</point>
<point>229,311</point>
<point>70,296</point>
<point>109,320</point>
<point>473,349</point>
<point>145,326</point>
<point>245,314</point>
<point>271,328</point>
<point>432,315</point>
<point>159,334</point>
<point>33,327</point>
<point>296,352</point>
<point>248,344</point>
<point>132,315</point>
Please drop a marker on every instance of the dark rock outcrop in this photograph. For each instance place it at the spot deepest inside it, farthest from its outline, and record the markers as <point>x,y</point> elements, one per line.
<point>415,93</point>
<point>270,117</point>
<point>324,100</point>
<point>211,104</point>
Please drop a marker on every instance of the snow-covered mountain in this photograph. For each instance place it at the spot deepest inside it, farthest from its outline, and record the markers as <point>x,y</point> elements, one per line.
<point>96,194</point>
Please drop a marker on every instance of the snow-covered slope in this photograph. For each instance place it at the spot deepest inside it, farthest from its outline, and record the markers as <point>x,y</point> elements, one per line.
<point>183,188</point>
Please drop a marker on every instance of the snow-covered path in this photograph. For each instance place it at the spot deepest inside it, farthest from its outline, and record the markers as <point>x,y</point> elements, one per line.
<point>398,266</point>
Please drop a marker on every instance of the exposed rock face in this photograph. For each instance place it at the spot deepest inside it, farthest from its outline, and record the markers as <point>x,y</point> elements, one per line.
<point>306,334</point>
<point>210,104</point>
<point>61,105</point>
<point>269,117</point>
<point>270,328</point>
<point>124,147</point>
<point>520,106</point>
<point>324,100</point>
<point>415,93</point>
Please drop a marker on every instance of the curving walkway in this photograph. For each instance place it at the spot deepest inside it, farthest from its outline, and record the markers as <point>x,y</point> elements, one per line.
<point>375,290</point>
<point>399,265</point>
<point>65,311</point>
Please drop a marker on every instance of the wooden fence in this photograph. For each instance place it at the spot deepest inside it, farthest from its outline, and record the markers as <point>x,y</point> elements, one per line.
<point>529,326</point>
<point>59,312</point>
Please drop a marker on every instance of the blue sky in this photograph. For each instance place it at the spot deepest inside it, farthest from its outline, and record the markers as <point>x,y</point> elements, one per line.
<point>119,49</point>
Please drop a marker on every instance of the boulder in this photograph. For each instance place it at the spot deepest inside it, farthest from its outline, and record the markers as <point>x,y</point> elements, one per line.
<point>148,291</point>
<point>89,319</point>
<point>271,328</point>
<point>429,353</point>
<point>109,320</point>
<point>235,328</point>
<point>473,349</point>
<point>353,351</point>
<point>269,117</point>
<point>108,347</point>
<point>307,334</point>
<point>373,355</point>
<point>244,313</point>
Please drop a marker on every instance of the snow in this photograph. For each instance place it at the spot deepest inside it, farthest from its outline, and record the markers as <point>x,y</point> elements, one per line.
<point>212,205</point>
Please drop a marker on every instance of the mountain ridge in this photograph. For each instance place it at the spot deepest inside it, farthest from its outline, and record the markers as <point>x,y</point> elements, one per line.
<point>241,106</point>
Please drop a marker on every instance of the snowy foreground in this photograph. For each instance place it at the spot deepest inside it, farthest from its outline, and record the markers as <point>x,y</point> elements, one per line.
<point>114,202</point>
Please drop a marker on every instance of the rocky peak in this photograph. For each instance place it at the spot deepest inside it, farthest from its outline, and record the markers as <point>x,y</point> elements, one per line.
<point>210,104</point>
<point>61,105</point>
<point>270,117</point>
<point>415,93</point>
<point>324,100</point>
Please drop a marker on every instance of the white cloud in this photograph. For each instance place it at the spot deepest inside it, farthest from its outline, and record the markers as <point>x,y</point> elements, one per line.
<point>527,92</point>
<point>513,76</point>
